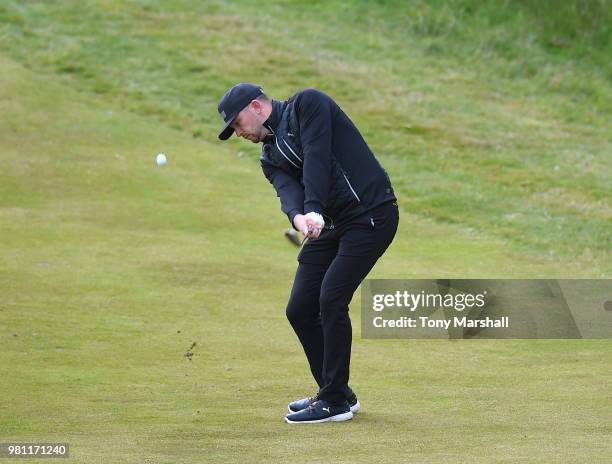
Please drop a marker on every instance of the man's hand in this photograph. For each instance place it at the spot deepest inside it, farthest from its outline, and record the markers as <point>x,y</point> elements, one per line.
<point>309,224</point>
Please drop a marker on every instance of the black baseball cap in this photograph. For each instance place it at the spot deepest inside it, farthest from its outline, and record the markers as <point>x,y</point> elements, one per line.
<point>233,102</point>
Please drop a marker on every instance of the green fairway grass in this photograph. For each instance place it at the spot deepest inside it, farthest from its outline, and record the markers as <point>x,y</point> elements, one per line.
<point>493,125</point>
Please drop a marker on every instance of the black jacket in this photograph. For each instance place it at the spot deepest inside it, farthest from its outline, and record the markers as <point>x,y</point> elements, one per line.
<point>318,161</point>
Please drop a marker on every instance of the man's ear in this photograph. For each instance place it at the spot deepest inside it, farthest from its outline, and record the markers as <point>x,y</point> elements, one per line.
<point>257,106</point>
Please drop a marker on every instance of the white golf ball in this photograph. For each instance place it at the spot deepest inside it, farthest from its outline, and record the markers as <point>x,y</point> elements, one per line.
<point>161,159</point>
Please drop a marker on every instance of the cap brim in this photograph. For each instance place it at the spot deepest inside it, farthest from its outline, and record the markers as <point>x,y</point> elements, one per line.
<point>227,131</point>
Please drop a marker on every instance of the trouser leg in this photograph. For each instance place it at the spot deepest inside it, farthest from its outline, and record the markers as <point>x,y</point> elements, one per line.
<point>304,314</point>
<point>342,279</point>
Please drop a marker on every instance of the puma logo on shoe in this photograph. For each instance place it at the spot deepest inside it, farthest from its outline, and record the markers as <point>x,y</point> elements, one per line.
<point>326,409</point>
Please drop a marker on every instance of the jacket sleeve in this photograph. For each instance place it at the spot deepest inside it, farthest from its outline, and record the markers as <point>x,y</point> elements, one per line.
<point>288,189</point>
<point>315,121</point>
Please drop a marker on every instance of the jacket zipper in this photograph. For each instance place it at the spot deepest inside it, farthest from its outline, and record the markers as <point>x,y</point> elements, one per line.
<point>281,150</point>
<point>283,153</point>
<point>351,187</point>
<point>294,153</point>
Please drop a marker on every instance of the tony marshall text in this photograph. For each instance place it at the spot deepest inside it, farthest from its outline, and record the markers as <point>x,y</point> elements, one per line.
<point>426,322</point>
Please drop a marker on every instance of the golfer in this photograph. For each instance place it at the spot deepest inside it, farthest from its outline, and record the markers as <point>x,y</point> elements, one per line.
<point>334,191</point>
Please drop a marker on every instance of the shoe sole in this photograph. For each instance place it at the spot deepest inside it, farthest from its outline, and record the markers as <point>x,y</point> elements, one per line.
<point>354,409</point>
<point>337,418</point>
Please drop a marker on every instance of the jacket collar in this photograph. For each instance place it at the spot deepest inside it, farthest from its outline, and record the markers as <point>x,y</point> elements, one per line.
<point>275,117</point>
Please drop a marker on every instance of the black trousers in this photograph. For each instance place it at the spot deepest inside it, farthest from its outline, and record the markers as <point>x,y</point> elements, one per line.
<point>330,269</point>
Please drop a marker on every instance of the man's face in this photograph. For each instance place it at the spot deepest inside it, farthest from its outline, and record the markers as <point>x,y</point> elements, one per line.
<point>249,124</point>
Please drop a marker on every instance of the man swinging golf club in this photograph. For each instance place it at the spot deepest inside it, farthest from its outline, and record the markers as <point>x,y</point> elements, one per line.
<point>334,191</point>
